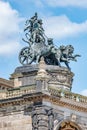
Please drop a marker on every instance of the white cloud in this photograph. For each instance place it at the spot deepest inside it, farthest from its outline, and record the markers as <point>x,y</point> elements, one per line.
<point>9,29</point>
<point>84,92</point>
<point>61,27</point>
<point>65,3</point>
<point>9,48</point>
<point>55,27</point>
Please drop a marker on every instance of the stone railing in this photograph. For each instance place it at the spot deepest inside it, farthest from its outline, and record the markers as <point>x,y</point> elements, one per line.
<point>17,92</point>
<point>68,95</point>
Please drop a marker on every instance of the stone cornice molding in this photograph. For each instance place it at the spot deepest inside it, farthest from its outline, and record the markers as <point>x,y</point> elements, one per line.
<point>35,97</point>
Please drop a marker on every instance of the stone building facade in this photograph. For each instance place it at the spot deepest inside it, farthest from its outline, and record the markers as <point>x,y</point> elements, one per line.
<point>40,98</point>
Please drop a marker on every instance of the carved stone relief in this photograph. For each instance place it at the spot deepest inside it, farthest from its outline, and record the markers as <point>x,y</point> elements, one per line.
<point>42,119</point>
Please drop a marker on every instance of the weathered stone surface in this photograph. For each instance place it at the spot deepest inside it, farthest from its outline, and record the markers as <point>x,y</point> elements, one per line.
<point>58,77</point>
<point>42,118</point>
<point>41,102</point>
<point>16,121</point>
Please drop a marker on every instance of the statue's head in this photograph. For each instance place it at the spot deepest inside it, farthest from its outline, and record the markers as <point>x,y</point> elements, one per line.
<point>40,21</point>
<point>36,14</point>
<point>62,47</point>
<point>50,41</point>
<point>70,48</point>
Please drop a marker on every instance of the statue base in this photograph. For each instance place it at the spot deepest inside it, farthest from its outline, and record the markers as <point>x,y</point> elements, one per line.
<point>58,77</point>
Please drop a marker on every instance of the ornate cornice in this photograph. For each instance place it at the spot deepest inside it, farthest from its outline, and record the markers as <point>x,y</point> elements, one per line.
<point>40,97</point>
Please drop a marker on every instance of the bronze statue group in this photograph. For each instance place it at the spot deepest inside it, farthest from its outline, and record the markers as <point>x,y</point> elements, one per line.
<point>41,46</point>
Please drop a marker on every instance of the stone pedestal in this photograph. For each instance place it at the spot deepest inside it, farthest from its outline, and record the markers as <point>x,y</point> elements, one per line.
<point>51,76</point>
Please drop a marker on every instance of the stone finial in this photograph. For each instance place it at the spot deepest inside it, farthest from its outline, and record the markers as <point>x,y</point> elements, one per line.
<point>42,72</point>
<point>42,77</point>
<point>42,63</point>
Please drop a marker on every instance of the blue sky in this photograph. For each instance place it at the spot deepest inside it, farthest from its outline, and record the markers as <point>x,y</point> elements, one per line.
<point>63,20</point>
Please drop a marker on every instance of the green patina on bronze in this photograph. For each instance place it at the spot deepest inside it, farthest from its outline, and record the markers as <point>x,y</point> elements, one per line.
<point>42,46</point>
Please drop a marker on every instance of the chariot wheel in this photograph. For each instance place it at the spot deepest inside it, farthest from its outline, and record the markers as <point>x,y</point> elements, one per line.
<point>25,56</point>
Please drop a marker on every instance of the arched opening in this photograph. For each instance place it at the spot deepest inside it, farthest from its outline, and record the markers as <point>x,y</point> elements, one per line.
<point>67,125</point>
